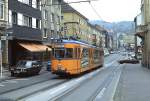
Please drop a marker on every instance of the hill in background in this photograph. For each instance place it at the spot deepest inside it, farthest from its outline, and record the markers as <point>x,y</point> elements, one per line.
<point>119,27</point>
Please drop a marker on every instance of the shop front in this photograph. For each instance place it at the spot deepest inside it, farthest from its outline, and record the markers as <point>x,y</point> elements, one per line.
<point>27,50</point>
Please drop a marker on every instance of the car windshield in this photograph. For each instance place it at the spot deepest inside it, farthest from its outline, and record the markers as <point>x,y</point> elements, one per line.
<point>23,64</point>
<point>28,64</point>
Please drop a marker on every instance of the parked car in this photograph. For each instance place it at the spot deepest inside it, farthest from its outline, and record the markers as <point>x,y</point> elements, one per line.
<point>26,67</point>
<point>48,66</point>
<point>106,52</point>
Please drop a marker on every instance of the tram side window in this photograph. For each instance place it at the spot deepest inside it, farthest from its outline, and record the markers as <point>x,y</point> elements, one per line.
<point>75,53</point>
<point>69,53</point>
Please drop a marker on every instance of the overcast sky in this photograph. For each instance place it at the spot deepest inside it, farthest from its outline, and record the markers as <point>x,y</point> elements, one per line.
<point>109,10</point>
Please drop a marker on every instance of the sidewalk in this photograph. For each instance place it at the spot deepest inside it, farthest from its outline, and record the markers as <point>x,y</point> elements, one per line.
<point>134,84</point>
<point>6,75</point>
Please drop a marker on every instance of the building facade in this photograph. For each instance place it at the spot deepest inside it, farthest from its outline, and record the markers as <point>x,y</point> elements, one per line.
<point>3,27</point>
<point>51,20</point>
<point>25,18</point>
<point>76,26</point>
<point>142,23</point>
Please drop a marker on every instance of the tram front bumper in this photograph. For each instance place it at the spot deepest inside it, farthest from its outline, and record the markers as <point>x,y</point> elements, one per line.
<point>61,72</point>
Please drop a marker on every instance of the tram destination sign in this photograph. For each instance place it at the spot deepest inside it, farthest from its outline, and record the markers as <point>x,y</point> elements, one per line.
<point>59,45</point>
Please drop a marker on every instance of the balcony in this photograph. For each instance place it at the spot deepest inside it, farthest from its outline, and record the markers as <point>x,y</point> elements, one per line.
<point>141,30</point>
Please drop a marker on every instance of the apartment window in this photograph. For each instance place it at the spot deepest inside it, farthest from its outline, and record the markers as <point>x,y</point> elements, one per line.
<point>30,21</point>
<point>45,14</point>
<point>37,23</point>
<point>58,19</point>
<point>79,21</point>
<point>44,2</point>
<point>38,4</point>
<point>26,2</point>
<point>27,21</point>
<point>14,17</point>
<point>34,3</point>
<point>52,17</point>
<point>52,33</point>
<point>33,22</point>
<point>1,9</point>
<point>30,2</point>
<point>51,1</point>
<point>62,17</point>
<point>20,19</point>
<point>45,33</point>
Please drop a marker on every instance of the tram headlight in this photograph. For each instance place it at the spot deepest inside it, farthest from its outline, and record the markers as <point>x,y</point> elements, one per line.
<point>60,67</point>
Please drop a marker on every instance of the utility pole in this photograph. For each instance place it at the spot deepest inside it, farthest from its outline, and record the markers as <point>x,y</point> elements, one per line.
<point>1,74</point>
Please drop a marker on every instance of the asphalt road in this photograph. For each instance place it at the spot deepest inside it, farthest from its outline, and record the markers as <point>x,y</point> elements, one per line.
<point>18,88</point>
<point>90,89</point>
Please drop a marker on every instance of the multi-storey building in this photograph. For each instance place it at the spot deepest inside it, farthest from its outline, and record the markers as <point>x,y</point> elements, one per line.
<point>26,37</point>
<point>77,26</point>
<point>142,23</point>
<point>51,20</point>
<point>3,27</point>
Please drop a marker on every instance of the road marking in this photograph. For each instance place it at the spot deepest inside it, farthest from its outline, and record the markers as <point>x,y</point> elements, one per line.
<point>99,96</point>
<point>9,81</point>
<point>1,85</point>
<point>57,90</point>
<point>80,79</point>
<point>21,79</point>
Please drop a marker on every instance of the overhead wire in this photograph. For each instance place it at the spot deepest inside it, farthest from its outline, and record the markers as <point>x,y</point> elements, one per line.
<point>65,3</point>
<point>95,10</point>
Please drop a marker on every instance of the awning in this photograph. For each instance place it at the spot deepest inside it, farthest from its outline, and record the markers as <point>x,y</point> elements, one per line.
<point>35,47</point>
<point>140,34</point>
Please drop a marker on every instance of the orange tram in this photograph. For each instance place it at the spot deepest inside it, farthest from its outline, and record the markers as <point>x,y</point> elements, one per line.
<point>73,57</point>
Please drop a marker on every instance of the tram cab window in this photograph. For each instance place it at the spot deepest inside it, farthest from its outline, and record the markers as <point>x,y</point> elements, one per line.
<point>59,53</point>
<point>69,53</point>
<point>63,52</point>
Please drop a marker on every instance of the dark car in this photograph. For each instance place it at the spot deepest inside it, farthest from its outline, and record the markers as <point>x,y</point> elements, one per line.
<point>27,67</point>
<point>48,66</point>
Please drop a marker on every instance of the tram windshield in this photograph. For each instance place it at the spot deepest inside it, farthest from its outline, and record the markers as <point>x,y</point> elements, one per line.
<point>63,53</point>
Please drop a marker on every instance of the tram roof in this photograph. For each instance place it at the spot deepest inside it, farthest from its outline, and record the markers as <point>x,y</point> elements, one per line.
<point>77,42</point>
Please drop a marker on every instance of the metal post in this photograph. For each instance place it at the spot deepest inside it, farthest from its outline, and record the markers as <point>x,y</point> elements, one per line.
<point>1,75</point>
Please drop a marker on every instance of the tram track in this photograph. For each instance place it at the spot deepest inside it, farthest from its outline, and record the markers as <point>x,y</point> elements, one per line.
<point>70,86</point>
<point>30,84</point>
<point>93,95</point>
<point>100,90</point>
<point>47,85</point>
<point>81,81</point>
<point>60,97</point>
